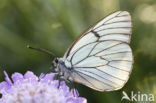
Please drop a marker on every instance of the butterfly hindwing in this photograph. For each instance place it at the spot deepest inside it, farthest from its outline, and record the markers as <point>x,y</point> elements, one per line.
<point>101,58</point>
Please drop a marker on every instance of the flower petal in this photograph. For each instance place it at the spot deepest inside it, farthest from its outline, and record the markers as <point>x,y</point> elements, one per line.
<point>7,79</point>
<point>30,76</point>
<point>17,77</point>
<point>47,77</point>
<point>4,87</point>
<point>76,100</point>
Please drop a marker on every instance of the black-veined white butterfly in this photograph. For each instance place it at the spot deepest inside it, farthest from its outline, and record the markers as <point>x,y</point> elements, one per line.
<point>101,57</point>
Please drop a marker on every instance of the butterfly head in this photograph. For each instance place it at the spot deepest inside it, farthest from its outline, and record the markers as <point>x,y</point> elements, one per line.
<point>55,62</point>
<point>60,67</point>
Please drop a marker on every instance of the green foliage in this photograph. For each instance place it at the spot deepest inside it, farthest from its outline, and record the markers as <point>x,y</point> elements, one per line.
<point>54,24</point>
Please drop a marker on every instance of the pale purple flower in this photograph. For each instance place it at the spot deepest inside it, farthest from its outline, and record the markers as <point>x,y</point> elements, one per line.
<point>32,89</point>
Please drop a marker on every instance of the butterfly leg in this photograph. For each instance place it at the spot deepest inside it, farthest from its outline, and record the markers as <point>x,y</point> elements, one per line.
<point>58,77</point>
<point>73,88</point>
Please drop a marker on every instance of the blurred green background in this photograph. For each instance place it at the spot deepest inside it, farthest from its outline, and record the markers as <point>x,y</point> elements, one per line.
<point>54,24</point>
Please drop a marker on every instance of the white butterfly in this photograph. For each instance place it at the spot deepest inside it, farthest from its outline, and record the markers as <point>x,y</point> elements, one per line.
<point>101,57</point>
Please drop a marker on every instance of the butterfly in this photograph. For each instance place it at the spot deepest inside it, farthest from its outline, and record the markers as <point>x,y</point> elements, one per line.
<point>101,57</point>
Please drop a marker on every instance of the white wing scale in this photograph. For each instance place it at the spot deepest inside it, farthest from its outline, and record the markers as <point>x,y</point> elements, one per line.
<point>101,58</point>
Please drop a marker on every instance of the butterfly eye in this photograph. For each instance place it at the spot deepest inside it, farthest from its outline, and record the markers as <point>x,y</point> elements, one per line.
<point>56,60</point>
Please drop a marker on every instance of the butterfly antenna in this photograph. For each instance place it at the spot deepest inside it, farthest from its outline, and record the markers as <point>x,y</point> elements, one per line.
<point>42,50</point>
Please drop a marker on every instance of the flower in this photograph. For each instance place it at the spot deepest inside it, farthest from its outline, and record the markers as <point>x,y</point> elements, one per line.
<point>29,88</point>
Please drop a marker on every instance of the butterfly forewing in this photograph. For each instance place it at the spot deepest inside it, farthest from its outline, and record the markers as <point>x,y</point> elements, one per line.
<point>101,57</point>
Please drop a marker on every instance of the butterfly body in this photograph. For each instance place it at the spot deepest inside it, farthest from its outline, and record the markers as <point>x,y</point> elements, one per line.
<point>62,69</point>
<point>101,57</point>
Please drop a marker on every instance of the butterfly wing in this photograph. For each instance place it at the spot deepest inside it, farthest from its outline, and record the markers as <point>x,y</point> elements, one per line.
<point>101,57</point>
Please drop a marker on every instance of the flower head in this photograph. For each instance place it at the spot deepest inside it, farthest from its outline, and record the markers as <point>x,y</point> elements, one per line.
<point>29,88</point>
